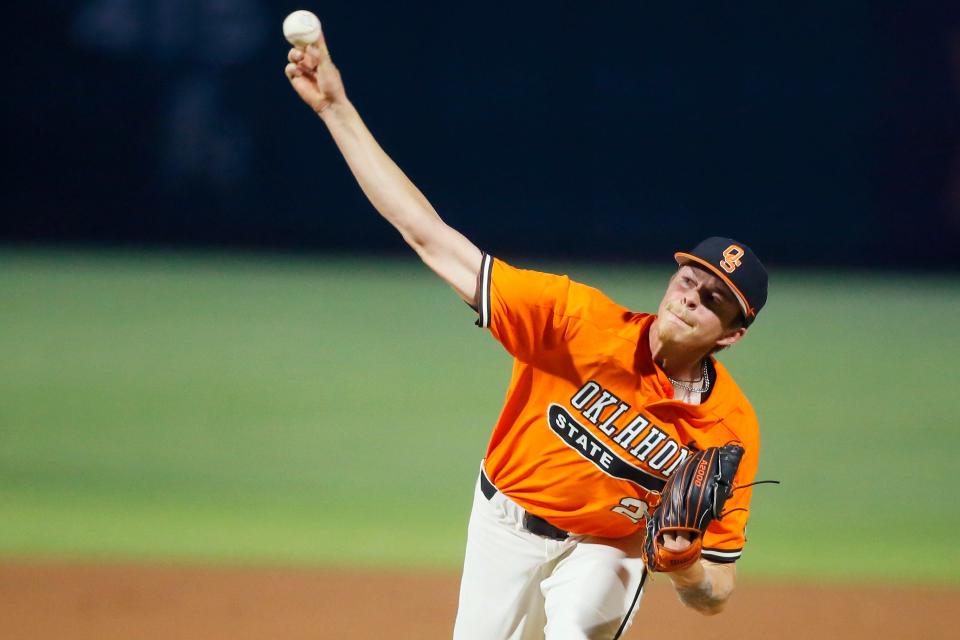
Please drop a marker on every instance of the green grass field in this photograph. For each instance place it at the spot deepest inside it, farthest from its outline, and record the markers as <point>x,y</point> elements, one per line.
<point>334,411</point>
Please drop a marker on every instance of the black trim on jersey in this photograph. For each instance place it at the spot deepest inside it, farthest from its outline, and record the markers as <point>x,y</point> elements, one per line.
<point>712,374</point>
<point>597,452</point>
<point>723,556</point>
<point>483,291</point>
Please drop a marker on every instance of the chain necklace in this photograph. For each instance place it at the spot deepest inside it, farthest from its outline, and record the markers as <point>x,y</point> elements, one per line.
<point>687,386</point>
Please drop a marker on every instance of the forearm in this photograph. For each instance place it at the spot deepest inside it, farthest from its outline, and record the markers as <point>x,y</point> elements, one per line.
<point>705,586</point>
<point>389,190</point>
<point>398,200</point>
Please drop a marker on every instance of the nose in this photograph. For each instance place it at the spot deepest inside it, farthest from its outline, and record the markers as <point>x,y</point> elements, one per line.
<point>691,299</point>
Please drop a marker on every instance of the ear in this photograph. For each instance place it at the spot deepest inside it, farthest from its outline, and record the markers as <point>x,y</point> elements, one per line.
<point>732,337</point>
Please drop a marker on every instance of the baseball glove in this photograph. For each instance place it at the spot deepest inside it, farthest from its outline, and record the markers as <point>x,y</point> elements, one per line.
<point>692,498</point>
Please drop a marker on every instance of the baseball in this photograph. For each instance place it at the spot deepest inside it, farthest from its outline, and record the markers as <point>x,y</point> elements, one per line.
<point>301,28</point>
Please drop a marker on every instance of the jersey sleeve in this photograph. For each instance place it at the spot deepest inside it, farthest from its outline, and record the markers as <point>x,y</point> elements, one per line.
<point>524,310</point>
<point>724,538</point>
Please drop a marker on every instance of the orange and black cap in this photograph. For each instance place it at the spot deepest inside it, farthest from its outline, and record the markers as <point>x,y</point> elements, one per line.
<point>738,267</point>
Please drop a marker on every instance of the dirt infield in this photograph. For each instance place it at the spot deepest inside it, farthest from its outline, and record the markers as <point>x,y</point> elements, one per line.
<point>80,601</point>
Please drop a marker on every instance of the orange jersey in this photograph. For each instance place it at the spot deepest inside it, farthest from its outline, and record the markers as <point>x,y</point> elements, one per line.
<point>590,431</point>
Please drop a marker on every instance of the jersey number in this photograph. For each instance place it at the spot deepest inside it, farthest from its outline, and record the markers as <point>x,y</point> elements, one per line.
<point>633,508</point>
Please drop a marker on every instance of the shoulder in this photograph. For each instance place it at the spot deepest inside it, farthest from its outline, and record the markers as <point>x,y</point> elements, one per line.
<point>572,299</point>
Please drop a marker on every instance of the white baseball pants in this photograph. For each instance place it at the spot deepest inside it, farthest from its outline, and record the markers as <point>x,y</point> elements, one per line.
<point>519,586</point>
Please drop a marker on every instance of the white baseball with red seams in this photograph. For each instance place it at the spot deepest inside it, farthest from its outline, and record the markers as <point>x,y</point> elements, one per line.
<point>301,28</point>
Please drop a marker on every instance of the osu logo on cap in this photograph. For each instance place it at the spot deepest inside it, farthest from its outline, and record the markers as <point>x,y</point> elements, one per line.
<point>731,258</point>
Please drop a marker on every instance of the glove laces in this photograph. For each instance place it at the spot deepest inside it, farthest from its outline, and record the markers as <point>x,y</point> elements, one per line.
<point>744,486</point>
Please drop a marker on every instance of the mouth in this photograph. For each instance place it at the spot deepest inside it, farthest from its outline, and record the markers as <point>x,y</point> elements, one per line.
<point>679,318</point>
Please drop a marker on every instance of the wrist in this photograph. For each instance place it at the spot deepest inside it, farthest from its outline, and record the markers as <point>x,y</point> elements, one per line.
<point>335,110</point>
<point>692,577</point>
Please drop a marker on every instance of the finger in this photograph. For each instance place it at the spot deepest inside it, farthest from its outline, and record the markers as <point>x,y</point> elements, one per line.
<point>318,51</point>
<point>678,542</point>
<point>295,55</point>
<point>676,545</point>
<point>292,71</point>
<point>308,62</point>
<point>321,44</point>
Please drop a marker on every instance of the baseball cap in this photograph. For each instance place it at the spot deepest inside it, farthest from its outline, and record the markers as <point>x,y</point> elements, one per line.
<point>738,267</point>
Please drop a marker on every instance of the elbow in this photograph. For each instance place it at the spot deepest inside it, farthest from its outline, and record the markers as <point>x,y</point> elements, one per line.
<point>424,238</point>
<point>715,605</point>
<point>417,240</point>
<point>704,602</point>
<point>713,609</point>
<point>711,598</point>
<point>705,607</point>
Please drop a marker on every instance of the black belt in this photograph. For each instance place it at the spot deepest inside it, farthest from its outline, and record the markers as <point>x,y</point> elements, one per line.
<point>533,524</point>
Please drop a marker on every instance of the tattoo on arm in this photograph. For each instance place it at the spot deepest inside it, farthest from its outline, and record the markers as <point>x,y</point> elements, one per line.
<point>699,597</point>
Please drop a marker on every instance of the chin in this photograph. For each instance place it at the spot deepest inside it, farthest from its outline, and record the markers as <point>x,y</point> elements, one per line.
<point>669,332</point>
<point>682,337</point>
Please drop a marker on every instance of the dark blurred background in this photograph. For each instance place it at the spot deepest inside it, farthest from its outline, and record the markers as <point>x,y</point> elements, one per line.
<point>819,133</point>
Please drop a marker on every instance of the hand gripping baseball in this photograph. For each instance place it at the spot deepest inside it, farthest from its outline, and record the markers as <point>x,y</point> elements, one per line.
<point>314,77</point>
<point>692,498</point>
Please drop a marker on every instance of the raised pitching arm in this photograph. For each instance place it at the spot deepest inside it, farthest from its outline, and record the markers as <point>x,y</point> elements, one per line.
<point>445,250</point>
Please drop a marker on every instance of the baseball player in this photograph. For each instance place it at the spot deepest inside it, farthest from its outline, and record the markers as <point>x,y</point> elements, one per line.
<point>604,406</point>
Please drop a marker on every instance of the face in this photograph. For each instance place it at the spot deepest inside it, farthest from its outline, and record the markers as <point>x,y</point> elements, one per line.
<point>697,311</point>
